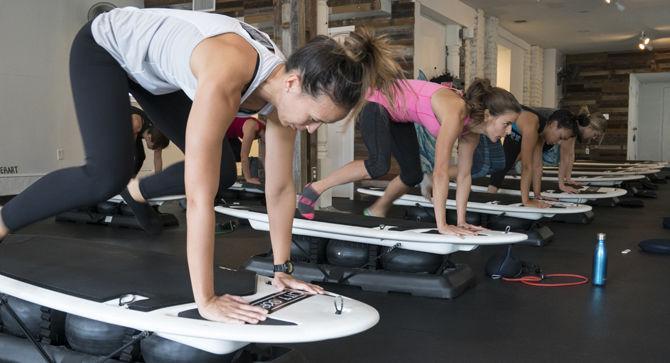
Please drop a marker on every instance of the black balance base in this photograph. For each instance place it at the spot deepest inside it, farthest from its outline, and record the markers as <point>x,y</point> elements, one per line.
<point>631,202</point>
<point>575,218</point>
<point>641,189</point>
<point>604,202</point>
<point>539,234</point>
<point>659,178</point>
<point>15,349</point>
<point>116,220</point>
<point>449,284</point>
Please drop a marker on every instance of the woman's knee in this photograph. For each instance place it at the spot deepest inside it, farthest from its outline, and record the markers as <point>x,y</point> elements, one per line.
<point>377,167</point>
<point>411,178</point>
<point>104,183</point>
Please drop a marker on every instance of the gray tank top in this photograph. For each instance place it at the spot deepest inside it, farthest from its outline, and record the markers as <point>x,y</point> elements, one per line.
<point>154,46</point>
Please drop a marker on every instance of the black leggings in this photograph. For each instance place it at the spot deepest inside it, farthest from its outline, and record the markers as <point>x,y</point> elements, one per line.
<point>100,90</point>
<point>512,147</point>
<point>383,138</point>
<point>236,146</point>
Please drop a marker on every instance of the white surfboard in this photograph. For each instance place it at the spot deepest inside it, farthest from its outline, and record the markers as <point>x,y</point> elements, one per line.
<point>419,239</point>
<point>309,317</point>
<point>493,206</point>
<point>621,172</point>
<point>591,180</point>
<point>606,168</point>
<point>650,164</point>
<point>583,195</point>
<point>154,201</point>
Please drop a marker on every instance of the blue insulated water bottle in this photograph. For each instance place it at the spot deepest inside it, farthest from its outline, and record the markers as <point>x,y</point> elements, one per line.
<point>600,262</point>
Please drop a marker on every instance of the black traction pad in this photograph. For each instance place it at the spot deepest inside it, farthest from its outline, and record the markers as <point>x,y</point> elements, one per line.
<point>478,197</point>
<point>515,184</point>
<point>101,272</point>
<point>348,219</point>
<point>194,314</point>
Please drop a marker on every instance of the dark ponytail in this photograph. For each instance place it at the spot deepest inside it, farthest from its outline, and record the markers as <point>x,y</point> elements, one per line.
<point>583,120</point>
<point>566,120</point>
<point>481,96</point>
<point>345,71</point>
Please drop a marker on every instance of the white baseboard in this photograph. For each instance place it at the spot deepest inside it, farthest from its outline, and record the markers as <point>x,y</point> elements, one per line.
<point>12,184</point>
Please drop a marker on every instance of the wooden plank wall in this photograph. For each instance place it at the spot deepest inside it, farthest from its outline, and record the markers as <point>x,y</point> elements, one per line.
<point>259,13</point>
<point>600,81</point>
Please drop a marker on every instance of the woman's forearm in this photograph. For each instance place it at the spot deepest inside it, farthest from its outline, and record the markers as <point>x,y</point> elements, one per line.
<point>200,247</point>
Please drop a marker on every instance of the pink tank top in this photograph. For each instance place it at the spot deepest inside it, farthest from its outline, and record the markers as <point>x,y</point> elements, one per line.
<point>236,127</point>
<point>412,104</point>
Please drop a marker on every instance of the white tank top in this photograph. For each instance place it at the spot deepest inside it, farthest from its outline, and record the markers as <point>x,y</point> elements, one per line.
<point>154,46</point>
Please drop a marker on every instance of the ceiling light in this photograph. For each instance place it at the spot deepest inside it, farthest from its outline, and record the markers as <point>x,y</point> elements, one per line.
<point>608,1</point>
<point>645,41</point>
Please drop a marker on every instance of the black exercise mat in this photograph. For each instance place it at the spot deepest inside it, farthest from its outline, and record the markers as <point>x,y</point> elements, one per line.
<point>194,314</point>
<point>348,219</point>
<point>478,197</point>
<point>502,199</point>
<point>515,184</point>
<point>102,272</point>
<point>605,168</point>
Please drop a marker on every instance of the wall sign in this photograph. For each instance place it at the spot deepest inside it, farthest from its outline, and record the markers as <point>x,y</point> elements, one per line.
<point>13,169</point>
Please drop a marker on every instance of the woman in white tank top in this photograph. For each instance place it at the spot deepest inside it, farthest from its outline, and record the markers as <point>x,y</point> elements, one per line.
<point>192,72</point>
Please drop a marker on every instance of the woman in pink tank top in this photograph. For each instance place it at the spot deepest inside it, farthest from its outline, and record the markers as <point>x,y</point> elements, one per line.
<point>388,130</point>
<point>241,134</point>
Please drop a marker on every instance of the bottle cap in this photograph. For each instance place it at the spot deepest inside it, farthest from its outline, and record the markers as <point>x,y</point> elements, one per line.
<point>601,236</point>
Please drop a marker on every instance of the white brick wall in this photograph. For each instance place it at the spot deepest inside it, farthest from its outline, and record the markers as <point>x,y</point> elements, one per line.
<point>526,78</point>
<point>491,51</point>
<point>475,50</point>
<point>536,75</point>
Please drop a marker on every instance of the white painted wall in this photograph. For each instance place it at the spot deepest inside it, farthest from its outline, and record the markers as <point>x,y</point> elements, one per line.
<point>518,48</point>
<point>455,10</point>
<point>430,40</point>
<point>504,67</point>
<point>554,61</point>
<point>37,112</point>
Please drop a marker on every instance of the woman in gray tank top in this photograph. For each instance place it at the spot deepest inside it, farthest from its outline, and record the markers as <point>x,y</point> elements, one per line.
<point>192,96</point>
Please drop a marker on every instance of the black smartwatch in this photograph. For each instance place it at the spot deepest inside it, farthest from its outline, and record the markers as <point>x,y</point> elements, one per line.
<point>286,267</point>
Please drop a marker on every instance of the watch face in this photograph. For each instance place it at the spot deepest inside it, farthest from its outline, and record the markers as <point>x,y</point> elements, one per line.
<point>286,267</point>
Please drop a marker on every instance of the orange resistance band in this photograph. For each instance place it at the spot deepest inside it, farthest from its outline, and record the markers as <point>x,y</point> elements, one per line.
<point>536,280</point>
